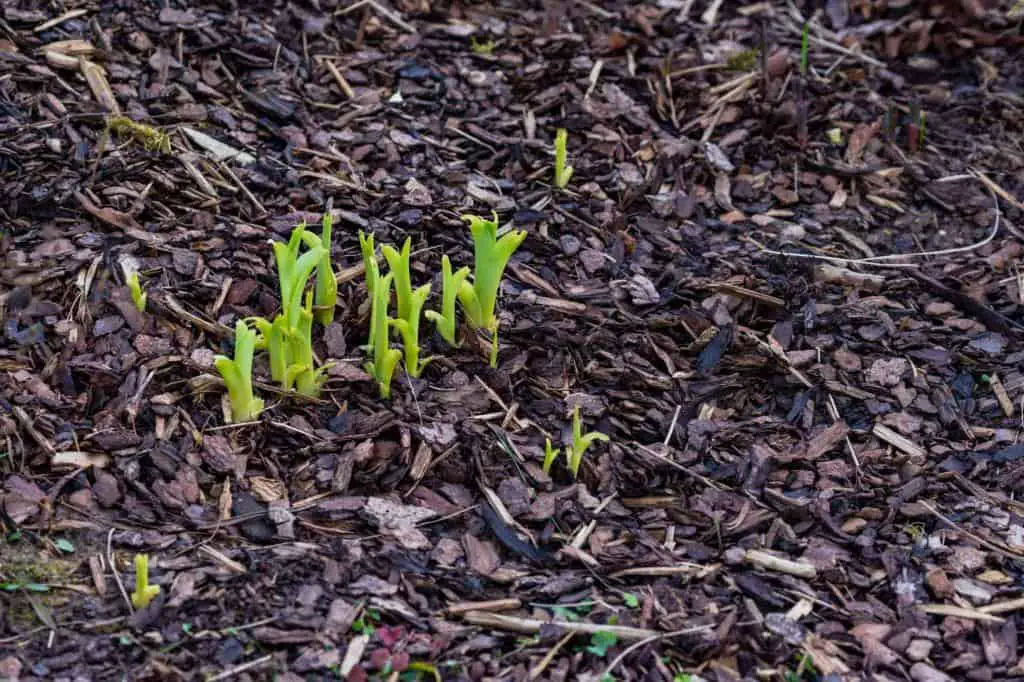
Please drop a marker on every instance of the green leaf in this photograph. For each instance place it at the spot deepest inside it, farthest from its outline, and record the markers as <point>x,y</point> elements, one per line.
<point>601,641</point>
<point>630,600</point>
<point>326,282</point>
<point>64,545</point>
<point>562,172</point>
<point>398,264</point>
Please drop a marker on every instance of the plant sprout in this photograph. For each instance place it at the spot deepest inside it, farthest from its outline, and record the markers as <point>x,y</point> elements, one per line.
<point>369,262</point>
<point>490,257</point>
<point>450,282</point>
<point>237,374</point>
<point>144,592</point>
<point>384,358</point>
<point>805,38</point>
<point>326,283</point>
<point>409,328</point>
<point>550,455</point>
<point>580,442</point>
<point>398,264</point>
<point>135,289</point>
<point>562,172</point>
<point>307,379</point>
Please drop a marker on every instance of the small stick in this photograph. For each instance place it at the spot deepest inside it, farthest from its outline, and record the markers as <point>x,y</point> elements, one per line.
<point>529,626</point>
<point>774,563</point>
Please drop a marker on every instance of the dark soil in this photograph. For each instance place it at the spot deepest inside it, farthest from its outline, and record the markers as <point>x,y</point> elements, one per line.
<point>795,313</point>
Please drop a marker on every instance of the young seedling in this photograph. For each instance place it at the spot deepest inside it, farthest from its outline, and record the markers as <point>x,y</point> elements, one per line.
<point>293,271</point>
<point>409,328</point>
<point>490,257</point>
<point>398,265</point>
<point>135,289</point>
<point>237,374</point>
<point>484,48</point>
<point>369,262</point>
<point>144,592</point>
<point>450,283</point>
<point>580,442</point>
<point>805,38</point>
<point>152,139</point>
<point>562,172</point>
<point>326,283</point>
<point>306,378</point>
<point>384,358</point>
<point>550,455</point>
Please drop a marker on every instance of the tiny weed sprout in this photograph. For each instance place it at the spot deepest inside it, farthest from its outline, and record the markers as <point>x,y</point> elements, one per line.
<point>580,442</point>
<point>482,47</point>
<point>326,284</point>
<point>384,358</point>
<point>135,289</point>
<point>144,592</point>
<point>409,328</point>
<point>152,139</point>
<point>450,283</point>
<point>369,262</point>
<point>805,38</point>
<point>490,257</point>
<point>562,172</point>
<point>237,374</point>
<point>550,455</point>
<point>398,264</point>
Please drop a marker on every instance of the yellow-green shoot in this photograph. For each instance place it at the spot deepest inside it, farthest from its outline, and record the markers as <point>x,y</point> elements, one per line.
<point>326,283</point>
<point>398,265</point>
<point>450,283</point>
<point>144,592</point>
<point>301,372</point>
<point>237,374</point>
<point>562,172</point>
<point>293,271</point>
<point>135,289</point>
<point>490,257</point>
<point>580,442</point>
<point>409,328</point>
<point>550,455</point>
<point>384,359</point>
<point>369,262</point>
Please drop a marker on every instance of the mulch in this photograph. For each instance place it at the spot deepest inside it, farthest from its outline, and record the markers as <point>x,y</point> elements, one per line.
<point>790,293</point>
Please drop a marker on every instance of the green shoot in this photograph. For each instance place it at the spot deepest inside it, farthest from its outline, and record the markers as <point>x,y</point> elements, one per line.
<point>482,47</point>
<point>272,338</point>
<point>293,271</point>
<point>445,320</point>
<point>144,592</point>
<point>237,374</point>
<point>409,328</point>
<point>490,257</point>
<point>369,262</point>
<point>326,284</point>
<point>550,455</point>
<point>562,172</point>
<point>920,131</point>
<point>580,442</point>
<point>307,378</point>
<point>398,264</point>
<point>135,289</point>
<point>805,38</point>
<point>385,359</point>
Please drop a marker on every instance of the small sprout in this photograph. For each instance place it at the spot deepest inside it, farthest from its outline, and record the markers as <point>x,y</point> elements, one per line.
<point>398,264</point>
<point>834,136</point>
<point>293,271</point>
<point>601,641</point>
<point>921,131</point>
<point>450,283</point>
<point>152,139</point>
<point>144,592</point>
<point>550,455</point>
<point>237,374</point>
<point>326,283</point>
<point>484,48</point>
<point>369,262</point>
<point>562,172</point>
<point>805,38</point>
<point>409,328</point>
<point>490,257</point>
<point>135,289</point>
<point>385,358</point>
<point>307,378</point>
<point>580,443</point>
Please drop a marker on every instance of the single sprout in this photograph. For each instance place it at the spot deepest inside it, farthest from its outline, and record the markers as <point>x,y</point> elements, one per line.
<point>272,339</point>
<point>385,358</point>
<point>369,262</point>
<point>293,271</point>
<point>805,38</point>
<point>450,283</point>
<point>834,135</point>
<point>326,283</point>
<point>153,139</point>
<point>135,289</point>
<point>482,47</point>
<point>550,455</point>
<point>307,379</point>
<point>409,328</point>
<point>237,374</point>
<point>144,592</point>
<point>921,131</point>
<point>398,264</point>
<point>580,442</point>
<point>490,257</point>
<point>562,172</point>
